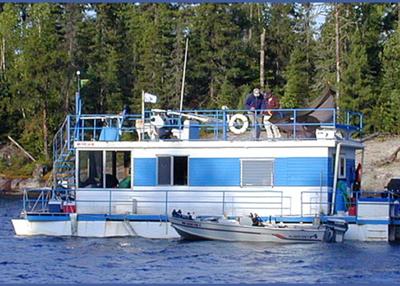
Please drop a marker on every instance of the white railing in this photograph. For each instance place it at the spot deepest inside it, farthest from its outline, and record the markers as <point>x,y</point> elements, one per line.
<point>117,201</point>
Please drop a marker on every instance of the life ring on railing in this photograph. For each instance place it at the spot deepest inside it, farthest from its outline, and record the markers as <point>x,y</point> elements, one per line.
<point>238,120</point>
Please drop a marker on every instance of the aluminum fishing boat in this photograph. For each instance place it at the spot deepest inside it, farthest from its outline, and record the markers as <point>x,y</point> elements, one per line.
<point>216,228</point>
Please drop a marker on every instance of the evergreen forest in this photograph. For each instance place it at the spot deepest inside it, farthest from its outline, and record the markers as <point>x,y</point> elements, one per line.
<point>293,50</point>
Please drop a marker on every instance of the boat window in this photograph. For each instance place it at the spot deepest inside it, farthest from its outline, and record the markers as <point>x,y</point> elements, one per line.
<point>90,169</point>
<point>173,170</point>
<point>164,170</point>
<point>342,167</point>
<point>180,170</point>
<point>118,169</point>
<point>257,172</point>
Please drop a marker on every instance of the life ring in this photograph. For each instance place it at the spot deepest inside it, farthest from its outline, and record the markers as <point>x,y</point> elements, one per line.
<point>241,120</point>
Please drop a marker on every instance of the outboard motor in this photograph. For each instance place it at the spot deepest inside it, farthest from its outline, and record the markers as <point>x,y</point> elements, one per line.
<point>335,230</point>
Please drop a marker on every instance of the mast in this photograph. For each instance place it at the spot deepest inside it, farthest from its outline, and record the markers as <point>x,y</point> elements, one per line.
<point>184,74</point>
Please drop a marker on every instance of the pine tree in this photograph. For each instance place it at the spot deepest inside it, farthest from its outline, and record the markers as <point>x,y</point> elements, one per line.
<point>386,114</point>
<point>297,76</point>
<point>36,74</point>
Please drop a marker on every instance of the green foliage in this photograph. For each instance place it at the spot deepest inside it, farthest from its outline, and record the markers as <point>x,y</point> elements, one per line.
<point>123,49</point>
<point>386,113</point>
<point>18,167</point>
<point>296,88</point>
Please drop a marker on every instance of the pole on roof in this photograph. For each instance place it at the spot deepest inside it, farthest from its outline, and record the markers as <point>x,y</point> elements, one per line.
<point>142,131</point>
<point>78,94</point>
<point>184,74</point>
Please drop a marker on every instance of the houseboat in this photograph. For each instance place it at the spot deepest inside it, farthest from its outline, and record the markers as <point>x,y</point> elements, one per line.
<point>123,174</point>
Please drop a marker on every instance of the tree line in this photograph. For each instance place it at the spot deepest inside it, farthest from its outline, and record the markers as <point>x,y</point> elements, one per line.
<point>294,50</point>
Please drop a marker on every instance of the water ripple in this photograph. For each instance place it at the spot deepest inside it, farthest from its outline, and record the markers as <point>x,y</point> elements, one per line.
<point>135,260</point>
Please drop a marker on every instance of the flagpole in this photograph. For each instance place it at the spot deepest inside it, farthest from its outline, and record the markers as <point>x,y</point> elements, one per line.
<point>78,94</point>
<point>184,74</point>
<point>142,115</point>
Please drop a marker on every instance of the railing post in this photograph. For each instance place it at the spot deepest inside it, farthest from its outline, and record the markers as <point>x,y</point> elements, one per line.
<point>301,204</point>
<point>294,123</point>
<point>334,117</point>
<point>223,202</point>
<point>41,199</point>
<point>109,201</point>
<point>94,129</point>
<point>224,124</point>
<point>68,134</point>
<point>24,202</point>
<point>320,193</point>
<point>281,204</point>
<point>166,205</point>
<point>83,130</point>
<point>255,124</point>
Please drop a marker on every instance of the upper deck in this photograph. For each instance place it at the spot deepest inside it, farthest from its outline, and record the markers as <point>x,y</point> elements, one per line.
<point>212,125</point>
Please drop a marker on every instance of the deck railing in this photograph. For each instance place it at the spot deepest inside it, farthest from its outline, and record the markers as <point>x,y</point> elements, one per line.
<point>162,201</point>
<point>318,202</point>
<point>285,124</point>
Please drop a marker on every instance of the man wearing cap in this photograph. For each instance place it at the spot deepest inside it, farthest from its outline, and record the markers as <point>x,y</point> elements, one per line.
<point>255,102</point>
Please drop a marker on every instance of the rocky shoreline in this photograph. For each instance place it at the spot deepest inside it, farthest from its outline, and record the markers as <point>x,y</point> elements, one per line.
<point>15,186</point>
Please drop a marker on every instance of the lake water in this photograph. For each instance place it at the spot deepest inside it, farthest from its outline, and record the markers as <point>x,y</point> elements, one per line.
<point>135,260</point>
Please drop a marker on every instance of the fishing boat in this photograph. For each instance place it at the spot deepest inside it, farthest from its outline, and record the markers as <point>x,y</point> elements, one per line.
<point>219,228</point>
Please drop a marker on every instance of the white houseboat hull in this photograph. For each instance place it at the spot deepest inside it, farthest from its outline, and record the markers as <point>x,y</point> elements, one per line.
<point>101,229</point>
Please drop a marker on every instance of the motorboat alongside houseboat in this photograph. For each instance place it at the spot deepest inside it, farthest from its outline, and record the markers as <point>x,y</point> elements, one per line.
<point>241,230</point>
<point>121,175</point>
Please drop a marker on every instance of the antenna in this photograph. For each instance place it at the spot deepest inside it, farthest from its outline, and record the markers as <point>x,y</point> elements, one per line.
<point>184,69</point>
<point>78,73</point>
<point>78,95</point>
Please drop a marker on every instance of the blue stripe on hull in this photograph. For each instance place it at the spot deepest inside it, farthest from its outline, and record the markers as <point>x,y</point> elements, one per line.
<point>163,218</point>
<point>47,217</point>
<point>106,217</point>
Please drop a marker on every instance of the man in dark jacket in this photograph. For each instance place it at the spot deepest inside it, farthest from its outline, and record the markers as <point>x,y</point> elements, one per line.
<point>255,102</point>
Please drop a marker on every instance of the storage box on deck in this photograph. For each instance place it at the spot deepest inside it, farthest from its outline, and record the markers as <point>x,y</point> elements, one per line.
<point>55,206</point>
<point>325,133</point>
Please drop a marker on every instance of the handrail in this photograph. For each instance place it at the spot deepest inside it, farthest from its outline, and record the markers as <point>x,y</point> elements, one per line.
<point>212,122</point>
<point>226,200</point>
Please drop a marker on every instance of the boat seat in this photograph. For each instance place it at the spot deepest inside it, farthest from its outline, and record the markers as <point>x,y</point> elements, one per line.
<point>109,134</point>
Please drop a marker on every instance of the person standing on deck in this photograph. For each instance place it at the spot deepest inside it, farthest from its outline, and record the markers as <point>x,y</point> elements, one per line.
<point>254,102</point>
<point>270,102</point>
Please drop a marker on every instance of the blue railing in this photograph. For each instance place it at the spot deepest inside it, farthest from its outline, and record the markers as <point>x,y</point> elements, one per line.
<point>285,124</point>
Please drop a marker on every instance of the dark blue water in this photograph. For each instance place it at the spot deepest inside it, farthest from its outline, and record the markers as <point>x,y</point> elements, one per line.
<point>136,260</point>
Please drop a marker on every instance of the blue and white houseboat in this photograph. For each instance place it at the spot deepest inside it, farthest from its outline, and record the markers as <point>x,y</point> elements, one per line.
<point>123,174</point>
